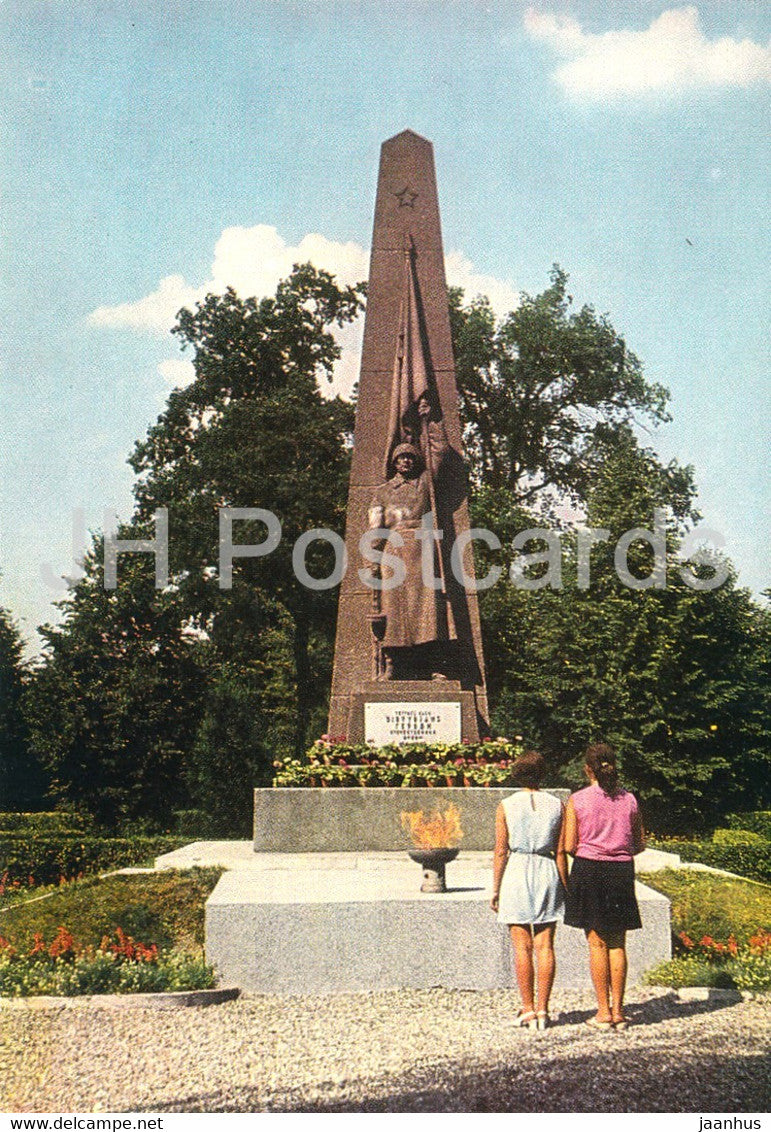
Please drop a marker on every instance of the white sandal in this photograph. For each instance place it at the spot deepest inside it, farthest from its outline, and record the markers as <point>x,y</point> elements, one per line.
<point>526,1019</point>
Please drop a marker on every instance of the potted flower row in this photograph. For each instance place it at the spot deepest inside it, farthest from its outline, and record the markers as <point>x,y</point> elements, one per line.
<point>459,772</point>
<point>361,754</point>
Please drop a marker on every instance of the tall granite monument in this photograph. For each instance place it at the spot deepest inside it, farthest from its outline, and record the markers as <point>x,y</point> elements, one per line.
<point>408,655</point>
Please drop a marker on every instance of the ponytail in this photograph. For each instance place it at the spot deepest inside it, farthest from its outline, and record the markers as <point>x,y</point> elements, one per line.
<point>601,760</point>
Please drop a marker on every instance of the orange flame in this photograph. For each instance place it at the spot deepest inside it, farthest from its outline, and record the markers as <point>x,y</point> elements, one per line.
<point>439,831</point>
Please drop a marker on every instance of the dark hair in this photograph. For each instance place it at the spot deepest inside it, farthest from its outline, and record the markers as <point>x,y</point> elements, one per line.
<point>529,770</point>
<point>601,760</point>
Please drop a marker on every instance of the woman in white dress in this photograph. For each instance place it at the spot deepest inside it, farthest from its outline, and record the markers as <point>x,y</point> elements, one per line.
<point>529,879</point>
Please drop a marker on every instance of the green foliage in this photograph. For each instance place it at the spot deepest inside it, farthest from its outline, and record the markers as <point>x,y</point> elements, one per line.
<point>254,430</point>
<point>690,971</point>
<point>545,392</point>
<point>748,859</point>
<point>57,821</point>
<point>675,678</point>
<point>758,822</point>
<point>101,973</point>
<point>50,857</point>
<point>165,909</point>
<point>150,702</point>
<point>753,973</point>
<point>118,700</point>
<point>22,781</point>
<point>737,838</point>
<point>707,905</point>
<point>721,928</point>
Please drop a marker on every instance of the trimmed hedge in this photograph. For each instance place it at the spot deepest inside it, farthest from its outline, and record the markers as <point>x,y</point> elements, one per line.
<point>45,822</point>
<point>751,860</point>
<point>48,859</point>
<point>758,822</point>
<point>737,838</point>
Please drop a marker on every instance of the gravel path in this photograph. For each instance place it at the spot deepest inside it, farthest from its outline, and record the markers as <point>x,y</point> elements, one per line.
<point>391,1051</point>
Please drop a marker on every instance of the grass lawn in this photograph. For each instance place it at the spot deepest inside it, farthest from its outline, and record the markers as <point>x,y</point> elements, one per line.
<point>166,909</point>
<point>706,904</point>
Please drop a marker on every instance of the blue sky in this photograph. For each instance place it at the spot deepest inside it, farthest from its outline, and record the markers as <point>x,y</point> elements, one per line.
<point>153,150</point>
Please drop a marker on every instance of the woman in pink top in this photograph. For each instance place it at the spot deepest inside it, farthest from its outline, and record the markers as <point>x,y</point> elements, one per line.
<point>603,832</point>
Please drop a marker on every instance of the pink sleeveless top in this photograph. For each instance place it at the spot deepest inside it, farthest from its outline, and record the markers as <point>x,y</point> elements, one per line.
<point>604,824</point>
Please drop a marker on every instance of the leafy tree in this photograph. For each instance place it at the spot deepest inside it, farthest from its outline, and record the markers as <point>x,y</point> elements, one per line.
<point>21,781</point>
<point>150,701</point>
<point>115,707</point>
<point>676,678</point>
<point>545,393</point>
<point>253,430</point>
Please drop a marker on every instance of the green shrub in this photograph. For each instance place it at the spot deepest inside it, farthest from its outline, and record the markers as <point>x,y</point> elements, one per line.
<point>736,838</point>
<point>747,860</point>
<point>757,822</point>
<point>101,973</point>
<point>749,970</point>
<point>195,825</point>
<point>165,909</point>
<point>753,973</point>
<point>64,821</point>
<point>689,971</point>
<point>48,858</point>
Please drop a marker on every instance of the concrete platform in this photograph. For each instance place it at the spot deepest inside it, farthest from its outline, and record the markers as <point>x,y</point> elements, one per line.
<point>241,855</point>
<point>306,923</point>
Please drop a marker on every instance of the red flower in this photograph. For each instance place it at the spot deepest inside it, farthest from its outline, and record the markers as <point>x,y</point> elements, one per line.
<point>38,944</point>
<point>63,945</point>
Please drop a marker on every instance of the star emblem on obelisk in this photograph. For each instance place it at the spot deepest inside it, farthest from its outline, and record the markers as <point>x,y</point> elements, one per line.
<point>406,197</point>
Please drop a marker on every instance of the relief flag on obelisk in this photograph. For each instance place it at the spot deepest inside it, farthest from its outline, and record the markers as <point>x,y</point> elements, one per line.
<point>407,473</point>
<point>410,376</point>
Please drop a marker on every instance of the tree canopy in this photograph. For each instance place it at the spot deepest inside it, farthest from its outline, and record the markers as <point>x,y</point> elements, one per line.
<point>545,393</point>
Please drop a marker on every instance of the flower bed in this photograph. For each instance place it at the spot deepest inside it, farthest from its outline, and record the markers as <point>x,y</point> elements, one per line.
<point>331,762</point>
<point>120,965</point>
<point>710,962</point>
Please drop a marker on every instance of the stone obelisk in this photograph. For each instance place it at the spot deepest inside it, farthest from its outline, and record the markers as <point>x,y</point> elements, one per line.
<point>408,666</point>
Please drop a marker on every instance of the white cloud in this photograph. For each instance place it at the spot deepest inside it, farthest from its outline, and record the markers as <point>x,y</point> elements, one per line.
<point>461,273</point>
<point>176,371</point>
<point>155,312</point>
<point>253,261</point>
<point>671,55</point>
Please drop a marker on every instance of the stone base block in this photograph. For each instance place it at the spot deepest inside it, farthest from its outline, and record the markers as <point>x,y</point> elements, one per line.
<point>291,819</point>
<point>316,923</point>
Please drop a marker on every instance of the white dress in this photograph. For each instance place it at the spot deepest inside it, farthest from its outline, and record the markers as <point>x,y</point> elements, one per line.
<point>531,891</point>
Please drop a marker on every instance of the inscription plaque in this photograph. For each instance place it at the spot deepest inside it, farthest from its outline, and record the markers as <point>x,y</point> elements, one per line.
<point>401,722</point>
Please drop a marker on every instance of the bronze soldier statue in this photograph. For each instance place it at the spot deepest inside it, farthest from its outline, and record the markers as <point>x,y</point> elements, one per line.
<point>412,616</point>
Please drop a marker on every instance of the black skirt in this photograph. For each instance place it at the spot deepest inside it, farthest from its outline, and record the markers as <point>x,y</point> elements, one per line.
<point>601,897</point>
